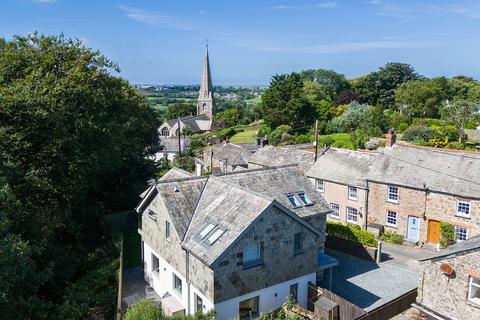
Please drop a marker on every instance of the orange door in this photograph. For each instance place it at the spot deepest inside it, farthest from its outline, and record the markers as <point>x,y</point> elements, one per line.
<point>433,231</point>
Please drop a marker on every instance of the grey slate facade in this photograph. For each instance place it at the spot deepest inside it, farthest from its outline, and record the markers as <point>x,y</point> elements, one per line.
<point>252,207</point>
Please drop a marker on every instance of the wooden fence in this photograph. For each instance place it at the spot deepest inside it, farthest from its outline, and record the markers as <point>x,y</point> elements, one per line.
<point>347,310</point>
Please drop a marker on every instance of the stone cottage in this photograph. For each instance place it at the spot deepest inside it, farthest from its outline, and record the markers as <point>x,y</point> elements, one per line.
<point>239,243</point>
<point>225,157</point>
<point>449,286</point>
<point>339,175</point>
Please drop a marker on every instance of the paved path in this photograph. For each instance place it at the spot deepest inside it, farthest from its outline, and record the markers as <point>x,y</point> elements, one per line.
<point>404,256</point>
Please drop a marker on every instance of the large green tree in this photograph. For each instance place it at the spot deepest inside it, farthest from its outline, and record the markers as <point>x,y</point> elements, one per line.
<point>378,88</point>
<point>74,144</point>
<point>284,102</point>
<point>422,98</point>
<point>330,83</point>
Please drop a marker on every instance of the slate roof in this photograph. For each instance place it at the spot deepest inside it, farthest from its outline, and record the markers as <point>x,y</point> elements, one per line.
<point>270,156</point>
<point>170,144</point>
<point>180,197</point>
<point>231,207</point>
<point>176,173</point>
<point>233,201</point>
<point>343,166</point>
<point>442,171</point>
<point>196,123</point>
<point>473,135</point>
<point>235,154</point>
<point>277,183</point>
<point>472,243</point>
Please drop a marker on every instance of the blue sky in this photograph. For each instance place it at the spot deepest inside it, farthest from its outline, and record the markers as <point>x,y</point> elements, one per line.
<point>162,41</point>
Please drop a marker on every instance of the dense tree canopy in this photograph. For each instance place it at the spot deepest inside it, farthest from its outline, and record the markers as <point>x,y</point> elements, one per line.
<point>179,110</point>
<point>74,141</point>
<point>284,102</point>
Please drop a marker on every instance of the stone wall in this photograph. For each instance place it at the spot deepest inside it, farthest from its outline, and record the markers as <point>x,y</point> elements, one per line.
<point>275,230</point>
<point>444,208</point>
<point>411,202</point>
<point>448,295</point>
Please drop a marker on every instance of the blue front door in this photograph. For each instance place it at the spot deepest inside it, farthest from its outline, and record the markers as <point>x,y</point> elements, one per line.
<point>413,228</point>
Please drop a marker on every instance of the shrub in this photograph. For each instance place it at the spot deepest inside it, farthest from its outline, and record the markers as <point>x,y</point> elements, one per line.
<point>418,133</point>
<point>455,145</point>
<point>342,145</point>
<point>351,233</point>
<point>264,131</point>
<point>227,132</point>
<point>402,127</point>
<point>447,234</point>
<point>144,310</point>
<point>301,138</point>
<point>392,237</point>
<point>325,141</point>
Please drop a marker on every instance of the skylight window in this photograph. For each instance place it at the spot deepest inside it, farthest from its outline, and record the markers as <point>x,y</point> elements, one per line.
<point>293,201</point>
<point>306,201</point>
<point>217,233</point>
<point>206,230</point>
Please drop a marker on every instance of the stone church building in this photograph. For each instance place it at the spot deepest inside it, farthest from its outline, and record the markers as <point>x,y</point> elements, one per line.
<point>202,122</point>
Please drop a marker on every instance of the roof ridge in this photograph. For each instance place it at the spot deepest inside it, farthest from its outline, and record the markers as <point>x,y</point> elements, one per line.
<point>180,179</point>
<point>244,189</point>
<point>256,170</point>
<point>452,152</point>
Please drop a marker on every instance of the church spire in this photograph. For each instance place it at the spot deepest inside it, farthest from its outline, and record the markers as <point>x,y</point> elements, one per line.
<point>205,97</point>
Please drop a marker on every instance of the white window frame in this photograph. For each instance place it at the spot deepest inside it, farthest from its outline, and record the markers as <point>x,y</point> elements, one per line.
<point>296,203</point>
<point>462,214</point>
<point>389,193</point>
<point>350,194</point>
<point>320,185</point>
<point>305,200</point>
<point>337,212</point>
<point>177,290</point>
<point>387,223</point>
<point>168,231</point>
<point>456,233</point>
<point>356,214</point>
<point>471,284</point>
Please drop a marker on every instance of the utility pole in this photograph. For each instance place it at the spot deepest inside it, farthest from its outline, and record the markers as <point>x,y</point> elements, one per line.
<point>179,136</point>
<point>316,139</point>
<point>211,159</point>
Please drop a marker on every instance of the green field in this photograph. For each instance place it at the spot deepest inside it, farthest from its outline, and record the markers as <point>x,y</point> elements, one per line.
<point>341,140</point>
<point>247,136</point>
<point>255,100</point>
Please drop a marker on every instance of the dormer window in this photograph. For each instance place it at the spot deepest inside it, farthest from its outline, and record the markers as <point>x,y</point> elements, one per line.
<point>293,201</point>
<point>303,197</point>
<point>152,215</point>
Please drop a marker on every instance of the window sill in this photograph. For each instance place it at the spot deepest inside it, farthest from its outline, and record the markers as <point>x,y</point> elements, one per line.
<point>391,226</point>
<point>252,264</point>
<point>298,252</point>
<point>462,215</point>
<point>392,201</point>
<point>353,199</point>
<point>335,217</point>
<point>352,222</point>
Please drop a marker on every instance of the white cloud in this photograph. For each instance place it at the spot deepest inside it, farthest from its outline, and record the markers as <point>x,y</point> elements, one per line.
<point>323,5</point>
<point>326,5</point>
<point>157,19</point>
<point>342,47</point>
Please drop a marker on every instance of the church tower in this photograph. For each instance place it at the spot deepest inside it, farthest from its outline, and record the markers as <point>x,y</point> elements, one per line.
<point>206,103</point>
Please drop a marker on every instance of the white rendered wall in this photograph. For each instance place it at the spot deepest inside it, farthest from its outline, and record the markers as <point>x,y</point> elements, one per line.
<point>268,301</point>
<point>163,281</point>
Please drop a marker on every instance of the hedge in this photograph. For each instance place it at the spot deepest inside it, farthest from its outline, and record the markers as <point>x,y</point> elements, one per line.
<point>351,233</point>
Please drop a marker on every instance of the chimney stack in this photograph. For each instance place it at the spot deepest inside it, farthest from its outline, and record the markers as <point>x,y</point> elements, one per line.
<point>264,141</point>
<point>391,138</point>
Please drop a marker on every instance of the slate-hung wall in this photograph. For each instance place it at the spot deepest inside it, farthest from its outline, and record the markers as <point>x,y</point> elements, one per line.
<point>154,233</point>
<point>275,231</point>
<point>449,295</point>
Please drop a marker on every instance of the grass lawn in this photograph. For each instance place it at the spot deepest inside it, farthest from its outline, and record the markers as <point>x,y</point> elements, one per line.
<point>341,140</point>
<point>255,100</point>
<point>247,136</point>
